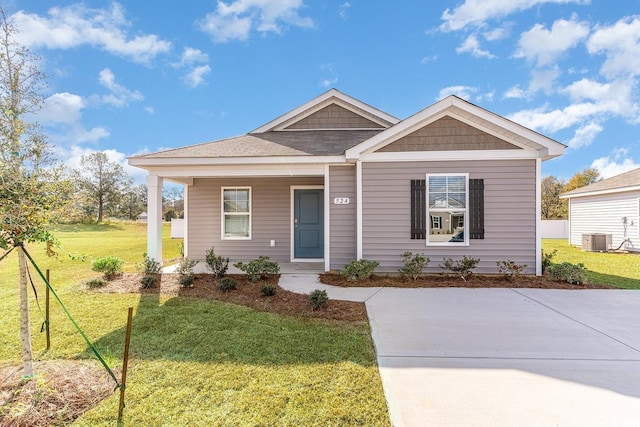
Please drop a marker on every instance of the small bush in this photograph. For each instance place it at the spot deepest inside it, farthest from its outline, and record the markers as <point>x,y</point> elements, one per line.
<point>110,266</point>
<point>217,264</point>
<point>359,269</point>
<point>461,267</point>
<point>567,272</point>
<point>148,266</point>
<point>185,270</point>
<point>98,282</point>
<point>259,268</point>
<point>185,266</point>
<point>546,259</point>
<point>186,280</point>
<point>413,265</point>
<point>149,280</point>
<point>268,290</point>
<point>318,298</point>
<point>509,269</point>
<point>227,284</point>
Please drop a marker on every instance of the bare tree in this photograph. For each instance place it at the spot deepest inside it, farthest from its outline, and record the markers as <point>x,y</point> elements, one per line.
<point>30,178</point>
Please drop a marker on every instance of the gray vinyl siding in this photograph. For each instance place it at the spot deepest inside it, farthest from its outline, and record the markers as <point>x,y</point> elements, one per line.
<point>510,213</point>
<point>270,217</point>
<point>603,214</point>
<point>342,183</point>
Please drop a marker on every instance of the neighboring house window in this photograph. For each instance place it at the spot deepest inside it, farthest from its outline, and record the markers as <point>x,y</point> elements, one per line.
<point>435,222</point>
<point>448,198</point>
<point>236,213</point>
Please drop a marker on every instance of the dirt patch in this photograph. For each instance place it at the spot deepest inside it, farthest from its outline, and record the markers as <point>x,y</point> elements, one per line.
<point>59,393</point>
<point>246,293</point>
<point>440,281</point>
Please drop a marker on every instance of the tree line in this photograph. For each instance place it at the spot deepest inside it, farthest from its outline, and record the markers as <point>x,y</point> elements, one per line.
<point>553,207</point>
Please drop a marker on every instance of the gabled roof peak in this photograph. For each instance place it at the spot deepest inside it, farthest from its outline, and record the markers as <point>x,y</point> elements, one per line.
<point>330,97</point>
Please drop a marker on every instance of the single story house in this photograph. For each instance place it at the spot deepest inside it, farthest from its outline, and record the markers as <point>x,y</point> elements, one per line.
<point>336,180</point>
<point>610,206</point>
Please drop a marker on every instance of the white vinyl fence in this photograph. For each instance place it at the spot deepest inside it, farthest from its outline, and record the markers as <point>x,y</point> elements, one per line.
<point>555,229</point>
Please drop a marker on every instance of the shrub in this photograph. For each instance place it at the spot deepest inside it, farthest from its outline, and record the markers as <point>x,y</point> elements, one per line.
<point>98,282</point>
<point>149,266</point>
<point>567,272</point>
<point>461,267</point>
<point>268,290</point>
<point>227,284</point>
<point>413,265</point>
<point>217,264</point>
<point>149,281</point>
<point>186,280</point>
<point>359,269</point>
<point>110,266</point>
<point>318,298</point>
<point>259,268</point>
<point>546,259</point>
<point>185,270</point>
<point>510,269</point>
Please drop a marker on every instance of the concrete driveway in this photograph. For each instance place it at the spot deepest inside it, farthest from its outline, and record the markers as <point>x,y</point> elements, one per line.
<point>507,357</point>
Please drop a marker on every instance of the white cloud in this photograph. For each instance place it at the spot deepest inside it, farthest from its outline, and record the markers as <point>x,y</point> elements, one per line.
<point>464,92</point>
<point>61,107</point>
<point>328,82</point>
<point>77,25</point>
<point>616,163</point>
<point>120,96</point>
<point>196,74</point>
<point>236,20</point>
<point>516,92</point>
<point>477,12</point>
<point>427,59</point>
<point>543,80</point>
<point>195,77</point>
<point>497,33</point>
<point>472,46</point>
<point>585,135</point>
<point>620,43</point>
<point>544,46</point>
<point>150,110</point>
<point>191,56</point>
<point>343,10</point>
<point>62,115</point>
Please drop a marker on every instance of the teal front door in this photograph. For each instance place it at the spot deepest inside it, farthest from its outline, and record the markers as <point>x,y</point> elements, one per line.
<point>308,223</point>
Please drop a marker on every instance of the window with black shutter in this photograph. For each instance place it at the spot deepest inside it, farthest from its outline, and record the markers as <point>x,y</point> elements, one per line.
<point>439,210</point>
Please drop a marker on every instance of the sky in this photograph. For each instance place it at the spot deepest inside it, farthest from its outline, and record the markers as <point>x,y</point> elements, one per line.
<point>132,77</point>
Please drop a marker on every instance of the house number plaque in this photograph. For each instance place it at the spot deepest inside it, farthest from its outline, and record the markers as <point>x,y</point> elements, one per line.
<point>341,201</point>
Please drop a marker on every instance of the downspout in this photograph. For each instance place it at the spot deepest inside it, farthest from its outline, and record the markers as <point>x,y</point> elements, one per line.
<point>538,217</point>
<point>359,209</point>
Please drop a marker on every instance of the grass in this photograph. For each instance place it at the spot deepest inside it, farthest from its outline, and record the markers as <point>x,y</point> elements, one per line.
<point>619,270</point>
<point>196,362</point>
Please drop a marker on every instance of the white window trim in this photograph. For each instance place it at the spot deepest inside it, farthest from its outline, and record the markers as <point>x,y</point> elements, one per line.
<point>465,211</point>
<point>222,212</point>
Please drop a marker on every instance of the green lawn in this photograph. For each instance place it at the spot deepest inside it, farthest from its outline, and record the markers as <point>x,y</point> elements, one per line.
<point>196,362</point>
<point>615,269</point>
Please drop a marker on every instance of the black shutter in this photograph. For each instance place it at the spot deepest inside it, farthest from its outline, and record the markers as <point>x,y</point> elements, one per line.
<point>418,209</point>
<point>476,209</point>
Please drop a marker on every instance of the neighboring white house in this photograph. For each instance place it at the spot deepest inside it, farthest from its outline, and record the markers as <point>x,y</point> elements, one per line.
<point>610,206</point>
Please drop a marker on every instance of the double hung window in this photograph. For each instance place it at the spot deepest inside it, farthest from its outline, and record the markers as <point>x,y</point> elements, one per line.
<point>447,200</point>
<point>236,213</point>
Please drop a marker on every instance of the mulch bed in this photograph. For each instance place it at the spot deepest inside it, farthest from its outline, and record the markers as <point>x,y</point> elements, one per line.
<point>247,293</point>
<point>440,281</point>
<point>58,394</point>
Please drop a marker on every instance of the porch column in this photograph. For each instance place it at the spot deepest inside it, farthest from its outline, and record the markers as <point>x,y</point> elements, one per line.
<point>538,217</point>
<point>154,217</point>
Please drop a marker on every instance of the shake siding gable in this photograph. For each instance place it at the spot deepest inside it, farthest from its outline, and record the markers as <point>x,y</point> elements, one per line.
<point>447,134</point>
<point>603,214</point>
<point>271,204</point>
<point>343,217</point>
<point>334,117</point>
<point>509,213</point>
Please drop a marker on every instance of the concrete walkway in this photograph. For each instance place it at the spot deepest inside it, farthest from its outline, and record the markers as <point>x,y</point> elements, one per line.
<point>502,357</point>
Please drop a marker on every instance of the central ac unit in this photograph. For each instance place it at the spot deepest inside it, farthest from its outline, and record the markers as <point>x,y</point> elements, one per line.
<point>596,242</point>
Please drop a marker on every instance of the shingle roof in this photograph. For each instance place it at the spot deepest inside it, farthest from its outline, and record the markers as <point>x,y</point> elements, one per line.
<point>628,179</point>
<point>269,144</point>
